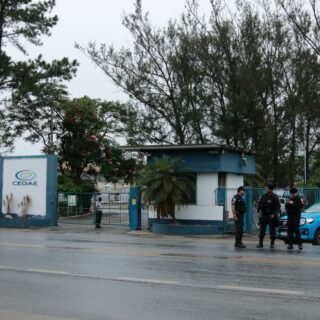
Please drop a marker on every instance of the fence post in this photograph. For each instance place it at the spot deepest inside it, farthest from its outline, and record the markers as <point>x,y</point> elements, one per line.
<point>250,210</point>
<point>134,209</point>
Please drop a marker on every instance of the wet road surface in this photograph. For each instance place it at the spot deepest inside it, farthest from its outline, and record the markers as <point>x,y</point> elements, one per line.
<point>76,272</point>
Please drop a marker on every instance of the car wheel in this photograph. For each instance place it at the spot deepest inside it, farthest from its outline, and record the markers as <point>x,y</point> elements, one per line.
<point>316,239</point>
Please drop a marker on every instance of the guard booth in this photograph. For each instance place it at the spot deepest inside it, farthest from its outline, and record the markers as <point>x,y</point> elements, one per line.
<point>213,166</point>
<point>28,191</point>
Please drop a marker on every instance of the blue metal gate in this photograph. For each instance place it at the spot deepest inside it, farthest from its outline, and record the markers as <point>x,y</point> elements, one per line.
<point>80,207</point>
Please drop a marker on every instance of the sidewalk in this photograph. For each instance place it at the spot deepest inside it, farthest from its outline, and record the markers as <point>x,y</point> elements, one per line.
<point>108,231</point>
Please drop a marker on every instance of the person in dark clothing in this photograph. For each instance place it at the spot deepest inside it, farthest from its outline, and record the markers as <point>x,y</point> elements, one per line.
<point>238,210</point>
<point>98,213</point>
<point>268,208</point>
<point>293,209</point>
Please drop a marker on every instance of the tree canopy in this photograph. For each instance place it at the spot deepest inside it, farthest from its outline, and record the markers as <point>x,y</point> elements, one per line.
<point>26,84</point>
<point>248,78</point>
<point>35,104</point>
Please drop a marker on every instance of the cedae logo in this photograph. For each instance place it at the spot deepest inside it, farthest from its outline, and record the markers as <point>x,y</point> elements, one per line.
<point>25,178</point>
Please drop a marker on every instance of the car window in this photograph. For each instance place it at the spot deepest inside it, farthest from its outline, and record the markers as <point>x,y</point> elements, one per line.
<point>313,209</point>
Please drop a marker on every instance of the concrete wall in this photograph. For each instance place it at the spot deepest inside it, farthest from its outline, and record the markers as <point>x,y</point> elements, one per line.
<point>205,208</point>
<point>234,180</point>
<point>200,212</point>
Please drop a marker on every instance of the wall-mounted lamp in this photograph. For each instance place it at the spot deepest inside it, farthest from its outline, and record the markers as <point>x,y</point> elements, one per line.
<point>243,161</point>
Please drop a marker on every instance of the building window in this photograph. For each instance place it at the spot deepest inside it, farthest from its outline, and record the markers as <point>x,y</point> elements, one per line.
<point>193,191</point>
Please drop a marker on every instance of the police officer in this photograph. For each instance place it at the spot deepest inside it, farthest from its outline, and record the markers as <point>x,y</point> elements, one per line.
<point>293,209</point>
<point>238,210</point>
<point>268,208</point>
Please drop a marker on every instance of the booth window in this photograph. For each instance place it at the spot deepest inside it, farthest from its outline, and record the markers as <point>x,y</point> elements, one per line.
<point>193,191</point>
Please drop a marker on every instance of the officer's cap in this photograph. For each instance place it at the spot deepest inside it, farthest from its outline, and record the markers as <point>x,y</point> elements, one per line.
<point>270,185</point>
<point>293,190</point>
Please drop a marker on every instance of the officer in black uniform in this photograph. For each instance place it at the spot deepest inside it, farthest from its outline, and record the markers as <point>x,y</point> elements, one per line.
<point>268,208</point>
<point>238,210</point>
<point>293,209</point>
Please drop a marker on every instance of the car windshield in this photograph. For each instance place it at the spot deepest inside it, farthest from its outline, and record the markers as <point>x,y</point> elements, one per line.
<point>313,209</point>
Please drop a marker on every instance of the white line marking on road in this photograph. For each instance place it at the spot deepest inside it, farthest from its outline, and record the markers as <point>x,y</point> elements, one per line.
<point>9,269</point>
<point>49,271</point>
<point>16,315</point>
<point>44,271</point>
<point>63,273</point>
<point>21,245</point>
<point>262,290</point>
<point>231,288</point>
<point>151,281</point>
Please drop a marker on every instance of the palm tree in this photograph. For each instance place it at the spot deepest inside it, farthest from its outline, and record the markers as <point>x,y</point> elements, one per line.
<point>167,183</point>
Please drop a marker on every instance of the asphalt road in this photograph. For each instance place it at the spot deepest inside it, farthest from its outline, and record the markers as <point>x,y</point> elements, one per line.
<point>76,272</point>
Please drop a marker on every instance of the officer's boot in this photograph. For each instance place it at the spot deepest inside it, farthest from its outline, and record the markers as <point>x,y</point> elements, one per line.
<point>272,244</point>
<point>260,245</point>
<point>239,243</point>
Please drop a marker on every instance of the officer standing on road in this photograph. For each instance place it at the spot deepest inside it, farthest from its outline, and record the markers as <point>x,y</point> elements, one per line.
<point>268,208</point>
<point>98,213</point>
<point>238,210</point>
<point>293,209</point>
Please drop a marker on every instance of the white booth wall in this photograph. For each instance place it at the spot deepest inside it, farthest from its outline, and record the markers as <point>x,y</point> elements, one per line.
<point>205,208</point>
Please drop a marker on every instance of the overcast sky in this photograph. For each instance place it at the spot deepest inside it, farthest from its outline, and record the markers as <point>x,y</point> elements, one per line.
<point>82,21</point>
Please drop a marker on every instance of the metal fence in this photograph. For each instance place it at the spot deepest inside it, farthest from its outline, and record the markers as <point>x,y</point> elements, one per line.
<point>80,207</point>
<point>223,197</point>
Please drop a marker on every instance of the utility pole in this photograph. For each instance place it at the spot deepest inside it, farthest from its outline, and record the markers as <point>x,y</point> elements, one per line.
<point>51,130</point>
<point>305,150</point>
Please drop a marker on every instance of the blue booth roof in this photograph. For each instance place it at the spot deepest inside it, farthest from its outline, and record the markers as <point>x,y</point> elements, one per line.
<point>203,158</point>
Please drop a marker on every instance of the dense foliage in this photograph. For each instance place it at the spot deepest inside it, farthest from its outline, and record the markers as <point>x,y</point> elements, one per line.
<point>248,78</point>
<point>27,83</point>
